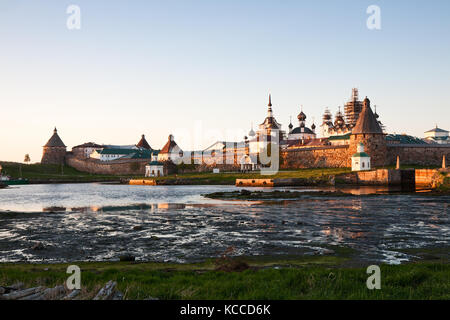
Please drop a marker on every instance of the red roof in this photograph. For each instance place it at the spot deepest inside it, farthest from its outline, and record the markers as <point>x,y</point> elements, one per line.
<point>169,146</point>
<point>144,144</point>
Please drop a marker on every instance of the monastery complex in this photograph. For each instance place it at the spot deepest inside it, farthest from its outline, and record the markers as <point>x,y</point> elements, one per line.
<point>354,138</point>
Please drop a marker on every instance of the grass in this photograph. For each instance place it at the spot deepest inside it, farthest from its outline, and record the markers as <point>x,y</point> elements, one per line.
<point>230,177</point>
<point>445,186</point>
<point>48,172</point>
<point>45,172</point>
<point>316,278</point>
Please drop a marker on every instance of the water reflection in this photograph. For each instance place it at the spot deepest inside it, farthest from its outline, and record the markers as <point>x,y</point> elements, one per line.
<point>95,222</point>
<point>54,209</point>
<point>140,207</point>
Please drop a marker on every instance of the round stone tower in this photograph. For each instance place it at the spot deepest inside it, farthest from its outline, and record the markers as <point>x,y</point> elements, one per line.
<point>54,150</point>
<point>367,131</point>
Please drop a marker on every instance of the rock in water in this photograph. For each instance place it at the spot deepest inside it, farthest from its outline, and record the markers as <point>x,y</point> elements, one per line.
<point>127,257</point>
<point>38,246</point>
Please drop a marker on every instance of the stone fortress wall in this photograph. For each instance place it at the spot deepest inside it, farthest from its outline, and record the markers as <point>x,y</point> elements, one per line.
<point>317,157</point>
<point>340,156</point>
<point>135,166</point>
<point>314,157</point>
<point>423,155</point>
<point>117,167</point>
<point>53,155</point>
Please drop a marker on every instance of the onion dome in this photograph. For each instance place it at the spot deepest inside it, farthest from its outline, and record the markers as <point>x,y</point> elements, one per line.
<point>326,115</point>
<point>339,119</point>
<point>290,126</point>
<point>313,126</point>
<point>301,116</point>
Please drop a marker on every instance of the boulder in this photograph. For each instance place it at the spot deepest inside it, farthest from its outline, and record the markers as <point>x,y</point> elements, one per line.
<point>38,246</point>
<point>127,257</point>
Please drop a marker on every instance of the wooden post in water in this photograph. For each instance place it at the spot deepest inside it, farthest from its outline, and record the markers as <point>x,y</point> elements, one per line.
<point>398,163</point>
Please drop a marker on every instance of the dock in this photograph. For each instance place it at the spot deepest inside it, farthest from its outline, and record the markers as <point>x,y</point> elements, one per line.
<point>142,182</point>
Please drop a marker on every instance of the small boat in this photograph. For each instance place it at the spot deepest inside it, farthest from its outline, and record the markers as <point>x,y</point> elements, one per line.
<point>9,182</point>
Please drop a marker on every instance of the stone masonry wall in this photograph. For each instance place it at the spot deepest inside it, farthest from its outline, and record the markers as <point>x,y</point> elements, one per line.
<point>319,157</point>
<point>372,177</point>
<point>118,167</point>
<point>374,146</point>
<point>425,155</point>
<point>53,155</point>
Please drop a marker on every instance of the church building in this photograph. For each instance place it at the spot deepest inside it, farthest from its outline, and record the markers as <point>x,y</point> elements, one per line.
<point>263,136</point>
<point>302,132</point>
<point>170,151</point>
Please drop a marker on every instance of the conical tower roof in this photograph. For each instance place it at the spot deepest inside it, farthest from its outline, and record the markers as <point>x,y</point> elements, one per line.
<point>143,143</point>
<point>55,140</point>
<point>367,122</point>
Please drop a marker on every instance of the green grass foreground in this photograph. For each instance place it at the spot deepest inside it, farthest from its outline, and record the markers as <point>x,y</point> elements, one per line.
<point>316,278</point>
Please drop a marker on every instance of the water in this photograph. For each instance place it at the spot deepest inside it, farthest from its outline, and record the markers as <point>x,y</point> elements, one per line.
<point>175,223</point>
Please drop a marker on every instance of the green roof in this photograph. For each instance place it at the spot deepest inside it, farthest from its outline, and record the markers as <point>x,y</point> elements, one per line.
<point>342,137</point>
<point>156,163</point>
<point>436,130</point>
<point>128,153</point>
<point>404,139</point>
<point>142,154</point>
<point>360,155</point>
<point>118,151</point>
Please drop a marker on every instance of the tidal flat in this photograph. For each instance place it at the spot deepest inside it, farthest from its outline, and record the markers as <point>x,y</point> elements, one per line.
<point>175,238</point>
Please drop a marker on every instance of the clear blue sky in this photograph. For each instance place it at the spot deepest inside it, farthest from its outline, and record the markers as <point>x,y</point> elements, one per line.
<point>161,67</point>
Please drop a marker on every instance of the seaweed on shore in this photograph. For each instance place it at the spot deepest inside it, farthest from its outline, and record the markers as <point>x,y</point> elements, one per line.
<point>245,194</point>
<point>271,195</point>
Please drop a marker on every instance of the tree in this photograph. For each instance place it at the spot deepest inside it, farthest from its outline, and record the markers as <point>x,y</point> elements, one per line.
<point>27,158</point>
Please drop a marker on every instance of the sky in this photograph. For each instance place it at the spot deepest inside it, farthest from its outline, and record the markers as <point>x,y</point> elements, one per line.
<point>202,70</point>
